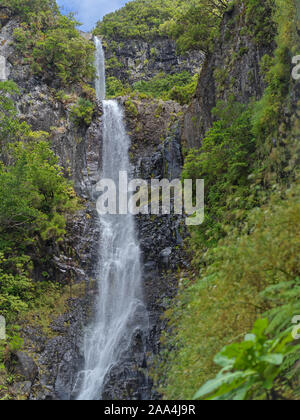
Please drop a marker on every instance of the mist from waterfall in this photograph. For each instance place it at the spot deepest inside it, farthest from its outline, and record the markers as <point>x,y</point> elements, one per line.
<point>120,310</point>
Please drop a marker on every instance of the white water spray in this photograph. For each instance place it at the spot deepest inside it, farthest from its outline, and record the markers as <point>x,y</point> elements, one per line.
<point>120,310</point>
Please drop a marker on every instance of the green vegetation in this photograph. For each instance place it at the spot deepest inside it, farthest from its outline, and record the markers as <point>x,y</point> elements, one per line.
<point>35,198</point>
<point>245,268</point>
<point>259,20</point>
<point>51,43</point>
<point>193,23</point>
<point>138,19</point>
<point>229,334</point>
<point>115,88</point>
<point>249,366</point>
<point>25,8</point>
<point>232,292</point>
<point>224,161</point>
<point>179,87</point>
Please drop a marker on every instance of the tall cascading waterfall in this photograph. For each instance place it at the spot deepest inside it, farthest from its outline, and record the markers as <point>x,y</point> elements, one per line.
<point>120,310</point>
<point>100,70</point>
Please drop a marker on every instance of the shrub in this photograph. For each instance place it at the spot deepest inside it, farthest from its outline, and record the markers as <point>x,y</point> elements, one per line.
<point>224,161</point>
<point>179,87</point>
<point>35,195</point>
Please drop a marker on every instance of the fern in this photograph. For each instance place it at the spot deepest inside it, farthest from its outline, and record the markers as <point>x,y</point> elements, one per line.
<point>285,297</point>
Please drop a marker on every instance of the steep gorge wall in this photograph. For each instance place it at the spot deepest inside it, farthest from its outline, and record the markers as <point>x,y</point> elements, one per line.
<point>50,361</point>
<point>136,60</point>
<point>232,69</point>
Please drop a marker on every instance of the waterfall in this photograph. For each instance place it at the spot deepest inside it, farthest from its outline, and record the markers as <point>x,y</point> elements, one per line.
<point>120,310</point>
<point>100,70</point>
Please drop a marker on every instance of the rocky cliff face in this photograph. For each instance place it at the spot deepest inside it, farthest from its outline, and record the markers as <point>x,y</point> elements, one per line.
<point>136,60</point>
<point>57,355</point>
<point>232,69</point>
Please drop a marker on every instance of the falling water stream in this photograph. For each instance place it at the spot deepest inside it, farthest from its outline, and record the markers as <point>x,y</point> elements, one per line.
<point>120,310</point>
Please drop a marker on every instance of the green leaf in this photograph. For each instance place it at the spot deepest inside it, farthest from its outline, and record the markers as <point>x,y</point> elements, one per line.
<point>216,383</point>
<point>273,359</point>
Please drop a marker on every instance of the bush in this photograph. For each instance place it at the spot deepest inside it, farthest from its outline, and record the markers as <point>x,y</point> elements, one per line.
<point>114,88</point>
<point>25,8</point>
<point>82,112</point>
<point>225,161</point>
<point>138,19</point>
<point>35,195</point>
<point>249,367</point>
<point>179,87</point>
<point>53,46</point>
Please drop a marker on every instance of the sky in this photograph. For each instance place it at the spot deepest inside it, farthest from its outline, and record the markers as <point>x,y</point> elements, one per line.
<point>89,12</point>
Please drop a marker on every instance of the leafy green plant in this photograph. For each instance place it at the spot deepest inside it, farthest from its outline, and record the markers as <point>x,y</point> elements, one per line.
<point>259,20</point>
<point>131,108</point>
<point>250,367</point>
<point>25,8</point>
<point>10,126</point>
<point>138,19</point>
<point>34,195</point>
<point>284,301</point>
<point>195,25</point>
<point>222,299</point>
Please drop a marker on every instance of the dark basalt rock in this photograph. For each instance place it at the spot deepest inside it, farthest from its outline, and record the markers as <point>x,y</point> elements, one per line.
<point>156,151</point>
<point>26,366</point>
<point>162,253</point>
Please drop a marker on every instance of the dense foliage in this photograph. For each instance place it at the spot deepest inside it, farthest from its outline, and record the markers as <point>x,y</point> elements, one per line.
<point>35,198</point>
<point>25,8</point>
<point>82,112</point>
<point>138,19</point>
<point>249,366</point>
<point>232,291</point>
<point>179,87</point>
<point>245,255</point>
<point>193,23</point>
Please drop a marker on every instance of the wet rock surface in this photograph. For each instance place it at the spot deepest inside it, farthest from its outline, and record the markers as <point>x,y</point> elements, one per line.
<point>161,240</point>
